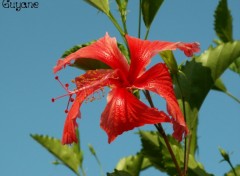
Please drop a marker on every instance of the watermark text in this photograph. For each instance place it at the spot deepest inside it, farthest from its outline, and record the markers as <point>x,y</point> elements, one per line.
<point>19,5</point>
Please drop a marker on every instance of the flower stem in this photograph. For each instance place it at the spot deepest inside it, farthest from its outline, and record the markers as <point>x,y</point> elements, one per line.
<point>114,21</point>
<point>234,171</point>
<point>139,19</point>
<point>147,32</point>
<point>187,140</point>
<point>163,134</point>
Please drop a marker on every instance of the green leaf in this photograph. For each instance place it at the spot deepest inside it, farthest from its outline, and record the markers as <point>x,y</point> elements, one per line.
<point>155,149</point>
<point>170,60</point>
<point>64,153</point>
<point>198,77</point>
<point>149,10</point>
<point>223,21</point>
<point>119,173</point>
<point>85,63</point>
<point>231,173</point>
<point>133,164</point>
<point>101,5</point>
<point>235,66</point>
<point>91,64</point>
<point>219,86</point>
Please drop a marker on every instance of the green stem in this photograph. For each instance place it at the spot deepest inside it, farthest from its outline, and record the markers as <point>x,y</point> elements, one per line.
<point>146,35</point>
<point>139,19</point>
<point>163,134</point>
<point>234,171</point>
<point>187,140</point>
<point>79,150</point>
<point>83,172</point>
<point>233,97</point>
<point>114,21</point>
<point>124,24</point>
<point>99,164</point>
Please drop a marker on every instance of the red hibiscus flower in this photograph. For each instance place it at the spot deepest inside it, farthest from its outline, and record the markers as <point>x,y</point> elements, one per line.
<point>124,111</point>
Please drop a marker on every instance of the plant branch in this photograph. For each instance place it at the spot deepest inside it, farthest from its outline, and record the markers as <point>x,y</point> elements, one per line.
<point>187,140</point>
<point>114,21</point>
<point>234,171</point>
<point>147,32</point>
<point>163,134</point>
<point>139,19</point>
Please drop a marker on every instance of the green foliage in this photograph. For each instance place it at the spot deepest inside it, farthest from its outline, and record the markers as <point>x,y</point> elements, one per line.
<point>84,63</point>
<point>223,21</point>
<point>170,60</point>
<point>149,10</point>
<point>133,164</point>
<point>235,66</point>
<point>91,64</point>
<point>155,149</point>
<point>199,76</point>
<point>102,5</point>
<point>231,173</point>
<point>68,155</point>
<point>223,28</point>
<point>119,173</point>
<point>219,86</point>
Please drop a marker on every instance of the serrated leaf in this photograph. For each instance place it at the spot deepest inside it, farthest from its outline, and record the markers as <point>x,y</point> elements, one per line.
<point>119,173</point>
<point>219,86</point>
<point>235,66</point>
<point>149,10</point>
<point>133,164</point>
<point>198,77</point>
<point>223,21</point>
<point>85,63</point>
<point>155,149</point>
<point>64,153</point>
<point>101,5</point>
<point>91,64</point>
<point>231,173</point>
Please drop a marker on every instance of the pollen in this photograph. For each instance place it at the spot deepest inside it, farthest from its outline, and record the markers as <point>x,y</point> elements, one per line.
<point>96,95</point>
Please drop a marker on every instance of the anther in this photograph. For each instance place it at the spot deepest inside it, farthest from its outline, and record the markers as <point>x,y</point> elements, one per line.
<point>66,111</point>
<point>56,77</point>
<point>53,100</point>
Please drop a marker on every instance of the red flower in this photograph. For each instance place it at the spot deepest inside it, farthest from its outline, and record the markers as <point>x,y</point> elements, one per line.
<point>124,111</point>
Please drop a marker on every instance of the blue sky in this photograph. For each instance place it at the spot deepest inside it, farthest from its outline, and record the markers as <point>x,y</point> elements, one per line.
<point>32,40</point>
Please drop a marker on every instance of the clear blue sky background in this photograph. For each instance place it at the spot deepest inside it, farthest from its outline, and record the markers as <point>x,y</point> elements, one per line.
<point>32,40</point>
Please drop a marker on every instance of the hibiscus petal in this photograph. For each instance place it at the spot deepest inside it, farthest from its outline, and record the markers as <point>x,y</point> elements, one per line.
<point>87,84</point>
<point>125,112</point>
<point>158,80</point>
<point>141,52</point>
<point>105,50</point>
<point>69,131</point>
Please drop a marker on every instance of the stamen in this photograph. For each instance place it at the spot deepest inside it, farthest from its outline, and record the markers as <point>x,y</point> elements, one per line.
<point>69,93</point>
<point>69,100</point>
<point>64,86</point>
